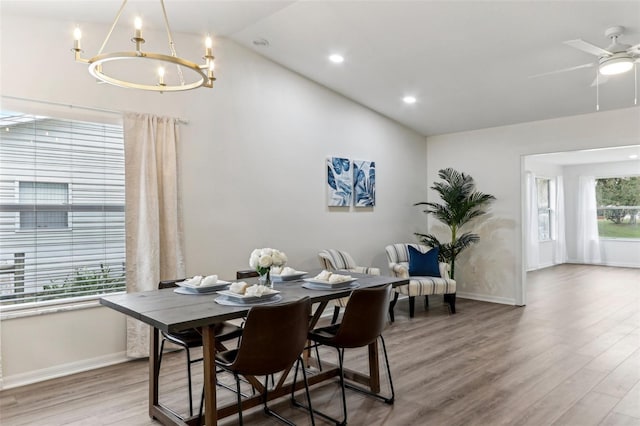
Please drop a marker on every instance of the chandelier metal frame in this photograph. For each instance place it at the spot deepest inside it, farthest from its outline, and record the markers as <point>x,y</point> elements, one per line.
<point>202,75</point>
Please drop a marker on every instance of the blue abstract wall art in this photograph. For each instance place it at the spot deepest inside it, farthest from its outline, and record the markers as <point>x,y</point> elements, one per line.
<point>339,182</point>
<point>364,183</point>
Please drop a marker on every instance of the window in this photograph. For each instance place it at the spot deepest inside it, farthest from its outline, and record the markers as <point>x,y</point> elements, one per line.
<point>39,200</point>
<point>544,209</point>
<point>618,200</point>
<point>61,209</point>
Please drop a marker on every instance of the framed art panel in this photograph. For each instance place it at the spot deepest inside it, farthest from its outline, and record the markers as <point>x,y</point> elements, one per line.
<point>364,183</point>
<point>339,182</point>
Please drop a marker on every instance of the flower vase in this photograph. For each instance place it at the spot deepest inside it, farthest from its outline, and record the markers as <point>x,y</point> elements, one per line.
<point>265,279</point>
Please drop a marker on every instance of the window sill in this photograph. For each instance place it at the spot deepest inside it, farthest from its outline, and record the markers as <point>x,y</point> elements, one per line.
<point>51,307</point>
<point>622,240</point>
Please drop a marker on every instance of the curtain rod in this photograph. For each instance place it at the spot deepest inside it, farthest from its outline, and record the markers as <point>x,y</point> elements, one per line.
<point>108,111</point>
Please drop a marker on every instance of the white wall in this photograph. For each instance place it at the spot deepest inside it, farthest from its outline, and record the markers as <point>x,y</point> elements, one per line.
<point>493,269</point>
<point>253,173</point>
<point>613,252</point>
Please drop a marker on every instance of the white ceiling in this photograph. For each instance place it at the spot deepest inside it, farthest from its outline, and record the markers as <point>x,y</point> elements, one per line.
<point>467,62</point>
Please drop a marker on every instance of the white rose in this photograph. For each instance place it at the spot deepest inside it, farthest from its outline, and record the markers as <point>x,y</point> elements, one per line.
<point>253,261</point>
<point>255,253</point>
<point>265,261</point>
<point>279,258</point>
<point>266,252</point>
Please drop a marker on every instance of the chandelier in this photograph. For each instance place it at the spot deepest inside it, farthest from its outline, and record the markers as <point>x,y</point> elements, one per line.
<point>100,66</point>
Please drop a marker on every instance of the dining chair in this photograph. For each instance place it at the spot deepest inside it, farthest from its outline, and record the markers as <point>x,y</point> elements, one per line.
<point>192,338</point>
<point>364,319</point>
<point>334,260</point>
<point>246,273</point>
<point>273,339</point>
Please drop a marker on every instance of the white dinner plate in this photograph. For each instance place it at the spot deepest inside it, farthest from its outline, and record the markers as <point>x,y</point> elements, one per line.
<point>327,284</point>
<point>289,277</point>
<point>241,298</point>
<point>224,300</point>
<point>313,286</point>
<point>220,285</point>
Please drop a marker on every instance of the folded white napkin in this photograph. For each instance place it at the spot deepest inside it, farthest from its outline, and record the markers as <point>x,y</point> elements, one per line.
<point>257,290</point>
<point>323,276</point>
<point>195,281</point>
<point>336,278</point>
<point>209,280</point>
<point>239,287</point>
<point>287,271</point>
<point>276,270</point>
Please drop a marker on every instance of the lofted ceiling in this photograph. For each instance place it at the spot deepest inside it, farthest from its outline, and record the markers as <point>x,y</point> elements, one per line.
<point>468,63</point>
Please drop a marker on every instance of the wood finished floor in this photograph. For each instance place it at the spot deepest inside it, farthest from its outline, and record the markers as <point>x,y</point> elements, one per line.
<point>570,357</point>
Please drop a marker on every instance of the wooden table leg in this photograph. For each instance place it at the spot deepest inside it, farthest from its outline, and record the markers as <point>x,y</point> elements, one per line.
<point>153,368</point>
<point>209,354</point>
<point>374,367</point>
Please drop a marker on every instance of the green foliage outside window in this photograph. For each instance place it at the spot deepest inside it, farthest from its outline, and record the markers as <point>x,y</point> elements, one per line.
<point>618,201</point>
<point>85,282</point>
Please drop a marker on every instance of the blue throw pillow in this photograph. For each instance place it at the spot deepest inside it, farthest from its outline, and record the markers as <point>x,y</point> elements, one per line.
<point>424,264</point>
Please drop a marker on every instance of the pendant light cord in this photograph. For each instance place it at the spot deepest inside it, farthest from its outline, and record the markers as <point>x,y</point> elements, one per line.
<point>115,21</point>
<point>171,43</point>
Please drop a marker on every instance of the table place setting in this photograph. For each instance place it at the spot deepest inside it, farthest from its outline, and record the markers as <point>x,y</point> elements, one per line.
<point>241,294</point>
<point>327,280</point>
<point>280,274</point>
<point>201,285</point>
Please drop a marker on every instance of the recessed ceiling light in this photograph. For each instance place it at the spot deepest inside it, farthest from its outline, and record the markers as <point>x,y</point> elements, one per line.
<point>409,100</point>
<point>336,59</point>
<point>633,156</point>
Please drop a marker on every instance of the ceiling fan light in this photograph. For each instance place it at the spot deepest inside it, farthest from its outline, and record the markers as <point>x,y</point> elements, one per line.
<point>616,65</point>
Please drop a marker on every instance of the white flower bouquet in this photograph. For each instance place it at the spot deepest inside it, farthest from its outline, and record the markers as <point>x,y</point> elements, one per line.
<point>263,259</point>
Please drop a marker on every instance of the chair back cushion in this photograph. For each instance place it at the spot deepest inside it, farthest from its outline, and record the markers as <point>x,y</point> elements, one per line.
<point>364,317</point>
<point>424,264</point>
<point>273,338</point>
<point>399,253</point>
<point>332,259</point>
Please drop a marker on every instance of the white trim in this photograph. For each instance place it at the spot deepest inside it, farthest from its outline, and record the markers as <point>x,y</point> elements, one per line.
<point>542,266</point>
<point>614,264</point>
<point>487,298</point>
<point>21,310</point>
<point>48,373</point>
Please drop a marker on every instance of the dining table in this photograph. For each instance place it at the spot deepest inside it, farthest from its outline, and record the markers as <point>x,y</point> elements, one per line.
<point>168,311</point>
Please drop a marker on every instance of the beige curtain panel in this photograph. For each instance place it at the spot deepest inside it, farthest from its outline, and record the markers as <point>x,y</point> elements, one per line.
<point>153,212</point>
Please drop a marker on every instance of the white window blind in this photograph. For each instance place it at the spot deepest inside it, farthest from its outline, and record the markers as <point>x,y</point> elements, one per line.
<point>61,209</point>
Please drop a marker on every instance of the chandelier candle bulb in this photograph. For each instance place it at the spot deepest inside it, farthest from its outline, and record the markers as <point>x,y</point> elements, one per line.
<point>77,36</point>
<point>161,76</point>
<point>208,44</point>
<point>138,27</point>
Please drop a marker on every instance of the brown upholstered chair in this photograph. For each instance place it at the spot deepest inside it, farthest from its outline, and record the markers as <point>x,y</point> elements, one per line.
<point>192,338</point>
<point>246,273</point>
<point>363,321</point>
<point>273,339</point>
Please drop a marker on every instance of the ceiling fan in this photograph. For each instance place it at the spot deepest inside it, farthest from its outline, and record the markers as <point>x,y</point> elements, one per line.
<point>617,58</point>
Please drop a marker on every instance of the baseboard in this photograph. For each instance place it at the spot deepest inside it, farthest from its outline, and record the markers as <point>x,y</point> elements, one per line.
<point>486,298</point>
<point>30,377</point>
<point>614,264</point>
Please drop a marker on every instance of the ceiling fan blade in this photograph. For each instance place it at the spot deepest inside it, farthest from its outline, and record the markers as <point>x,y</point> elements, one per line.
<point>601,79</point>
<point>634,49</point>
<point>590,65</point>
<point>588,47</point>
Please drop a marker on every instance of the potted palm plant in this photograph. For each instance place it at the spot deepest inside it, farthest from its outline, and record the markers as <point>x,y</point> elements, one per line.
<point>461,203</point>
